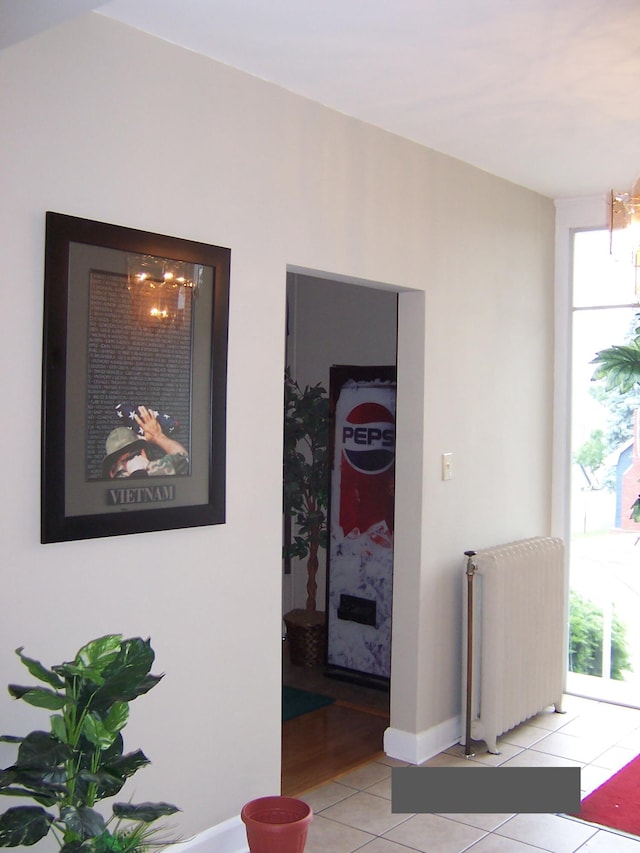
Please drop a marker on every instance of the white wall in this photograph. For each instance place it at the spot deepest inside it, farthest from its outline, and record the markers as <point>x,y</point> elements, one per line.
<point>101,121</point>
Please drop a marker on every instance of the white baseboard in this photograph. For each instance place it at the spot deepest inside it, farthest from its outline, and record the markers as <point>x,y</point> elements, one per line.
<point>416,748</point>
<point>227,837</point>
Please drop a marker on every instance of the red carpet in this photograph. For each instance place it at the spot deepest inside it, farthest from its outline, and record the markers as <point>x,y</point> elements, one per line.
<point>616,804</point>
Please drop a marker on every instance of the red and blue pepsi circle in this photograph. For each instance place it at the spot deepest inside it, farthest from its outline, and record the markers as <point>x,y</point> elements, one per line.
<point>368,438</point>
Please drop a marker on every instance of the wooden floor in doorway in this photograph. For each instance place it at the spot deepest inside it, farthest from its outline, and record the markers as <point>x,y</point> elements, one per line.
<point>319,746</point>
<point>333,740</point>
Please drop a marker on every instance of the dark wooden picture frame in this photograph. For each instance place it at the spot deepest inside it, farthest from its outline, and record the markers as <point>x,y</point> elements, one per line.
<point>131,319</point>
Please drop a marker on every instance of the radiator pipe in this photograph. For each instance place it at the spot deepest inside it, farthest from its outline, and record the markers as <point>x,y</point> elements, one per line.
<point>470,572</point>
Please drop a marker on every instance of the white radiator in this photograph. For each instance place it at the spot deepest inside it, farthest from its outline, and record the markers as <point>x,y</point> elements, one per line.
<point>514,655</point>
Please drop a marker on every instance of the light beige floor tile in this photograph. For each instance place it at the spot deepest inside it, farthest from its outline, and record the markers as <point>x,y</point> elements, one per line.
<point>591,777</point>
<point>529,758</point>
<point>490,759</point>
<point>550,832</point>
<point>356,808</point>
<point>383,845</point>
<point>611,722</point>
<point>325,835</point>
<point>434,834</point>
<point>578,704</point>
<point>630,741</point>
<point>365,811</point>
<point>550,720</point>
<point>480,821</point>
<point>581,749</point>
<point>366,775</point>
<point>498,844</point>
<point>614,759</point>
<point>381,789</point>
<point>611,842</point>
<point>572,707</point>
<point>393,762</point>
<point>443,759</point>
<point>619,716</point>
<point>327,795</point>
<point>585,727</point>
<point>524,735</point>
<point>458,749</point>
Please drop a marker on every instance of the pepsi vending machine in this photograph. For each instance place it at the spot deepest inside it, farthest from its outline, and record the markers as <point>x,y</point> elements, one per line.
<point>361,506</point>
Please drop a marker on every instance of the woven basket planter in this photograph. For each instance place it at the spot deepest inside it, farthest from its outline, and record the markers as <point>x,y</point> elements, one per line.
<point>307,637</point>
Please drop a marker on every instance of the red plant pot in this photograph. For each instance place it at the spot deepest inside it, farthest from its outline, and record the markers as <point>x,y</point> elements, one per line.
<point>276,824</point>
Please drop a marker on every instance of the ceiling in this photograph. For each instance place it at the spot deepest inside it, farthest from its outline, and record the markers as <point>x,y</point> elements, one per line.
<point>544,93</point>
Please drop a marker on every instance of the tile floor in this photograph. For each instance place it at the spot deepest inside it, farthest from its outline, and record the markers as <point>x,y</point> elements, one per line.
<point>353,812</point>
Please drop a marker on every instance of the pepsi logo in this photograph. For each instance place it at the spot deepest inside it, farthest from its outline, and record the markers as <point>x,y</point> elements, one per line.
<point>368,438</point>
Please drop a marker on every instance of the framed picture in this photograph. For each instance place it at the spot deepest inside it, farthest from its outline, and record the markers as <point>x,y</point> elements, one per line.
<point>133,381</point>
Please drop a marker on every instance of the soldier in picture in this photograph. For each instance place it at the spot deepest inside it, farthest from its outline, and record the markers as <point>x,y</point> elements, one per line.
<point>155,454</point>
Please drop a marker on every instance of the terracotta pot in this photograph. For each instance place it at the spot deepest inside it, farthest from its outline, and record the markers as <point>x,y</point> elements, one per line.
<point>276,824</point>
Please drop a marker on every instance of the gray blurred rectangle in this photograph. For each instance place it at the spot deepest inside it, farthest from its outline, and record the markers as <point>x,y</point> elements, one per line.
<point>493,790</point>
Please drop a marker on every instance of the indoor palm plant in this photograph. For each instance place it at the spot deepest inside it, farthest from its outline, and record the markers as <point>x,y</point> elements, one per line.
<point>306,497</point>
<point>80,760</point>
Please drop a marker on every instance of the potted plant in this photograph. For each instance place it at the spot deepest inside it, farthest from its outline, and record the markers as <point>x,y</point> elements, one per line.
<point>306,497</point>
<point>80,760</point>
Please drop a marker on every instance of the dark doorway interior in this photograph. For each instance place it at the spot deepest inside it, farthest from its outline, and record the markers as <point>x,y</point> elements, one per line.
<point>332,322</point>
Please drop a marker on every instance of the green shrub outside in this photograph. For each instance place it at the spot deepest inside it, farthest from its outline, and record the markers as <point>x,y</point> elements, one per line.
<point>586,621</point>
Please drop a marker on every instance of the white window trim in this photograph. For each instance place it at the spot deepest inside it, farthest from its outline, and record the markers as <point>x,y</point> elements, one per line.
<point>571,215</point>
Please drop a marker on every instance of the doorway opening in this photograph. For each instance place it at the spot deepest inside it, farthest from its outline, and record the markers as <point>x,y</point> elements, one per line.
<point>604,631</point>
<point>331,321</point>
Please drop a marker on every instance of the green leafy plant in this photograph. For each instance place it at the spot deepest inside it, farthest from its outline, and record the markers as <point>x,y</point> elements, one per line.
<point>81,760</point>
<point>306,473</point>
<point>619,365</point>
<point>585,640</point>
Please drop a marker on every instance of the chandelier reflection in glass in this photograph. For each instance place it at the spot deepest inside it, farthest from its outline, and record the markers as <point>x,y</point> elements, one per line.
<point>162,288</point>
<point>624,228</point>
